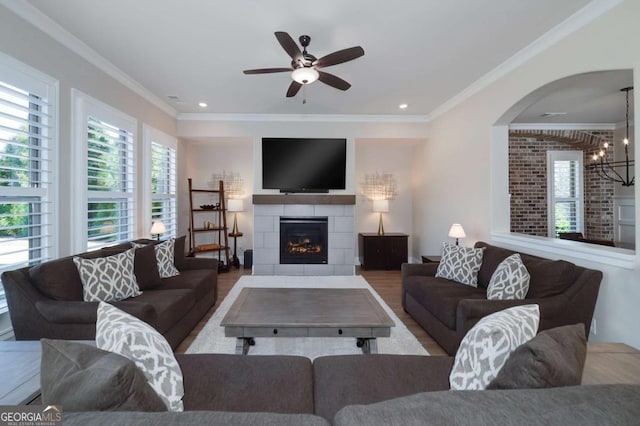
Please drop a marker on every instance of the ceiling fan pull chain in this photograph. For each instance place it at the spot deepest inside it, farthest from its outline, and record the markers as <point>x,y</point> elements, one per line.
<point>304,94</point>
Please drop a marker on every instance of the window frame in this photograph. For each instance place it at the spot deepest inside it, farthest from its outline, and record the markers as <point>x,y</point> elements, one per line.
<point>83,107</point>
<point>565,155</point>
<point>149,136</point>
<point>32,81</point>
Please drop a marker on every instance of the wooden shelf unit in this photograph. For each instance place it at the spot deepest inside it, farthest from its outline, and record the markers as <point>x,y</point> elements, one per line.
<point>218,228</point>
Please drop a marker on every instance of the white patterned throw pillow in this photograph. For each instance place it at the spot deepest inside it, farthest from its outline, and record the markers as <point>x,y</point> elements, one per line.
<point>509,281</point>
<point>164,257</point>
<point>460,264</point>
<point>124,334</point>
<point>486,347</point>
<point>109,278</point>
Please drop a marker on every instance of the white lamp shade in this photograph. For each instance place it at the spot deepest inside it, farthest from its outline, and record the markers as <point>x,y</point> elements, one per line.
<point>381,206</point>
<point>456,231</point>
<point>234,205</point>
<point>305,75</point>
<point>157,227</point>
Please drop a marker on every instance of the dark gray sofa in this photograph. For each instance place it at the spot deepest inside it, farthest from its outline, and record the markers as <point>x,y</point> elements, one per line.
<point>447,310</point>
<point>402,390</point>
<point>45,301</point>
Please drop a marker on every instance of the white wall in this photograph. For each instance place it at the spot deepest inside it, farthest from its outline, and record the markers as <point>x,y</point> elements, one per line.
<point>386,156</point>
<point>464,175</point>
<point>201,159</point>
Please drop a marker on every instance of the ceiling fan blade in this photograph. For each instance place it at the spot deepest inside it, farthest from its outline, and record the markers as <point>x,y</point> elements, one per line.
<point>333,81</point>
<point>339,57</point>
<point>289,45</point>
<point>267,70</point>
<point>294,87</point>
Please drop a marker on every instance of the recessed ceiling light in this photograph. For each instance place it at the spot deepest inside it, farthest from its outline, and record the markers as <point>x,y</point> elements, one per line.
<point>403,106</point>
<point>202,104</point>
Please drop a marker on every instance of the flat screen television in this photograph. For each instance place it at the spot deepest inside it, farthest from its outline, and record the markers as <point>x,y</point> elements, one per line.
<point>304,164</point>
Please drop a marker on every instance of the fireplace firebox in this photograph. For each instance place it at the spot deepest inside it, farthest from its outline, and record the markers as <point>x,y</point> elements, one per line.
<point>303,240</point>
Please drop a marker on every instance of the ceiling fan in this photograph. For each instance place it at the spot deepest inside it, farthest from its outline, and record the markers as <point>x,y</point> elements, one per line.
<point>305,67</point>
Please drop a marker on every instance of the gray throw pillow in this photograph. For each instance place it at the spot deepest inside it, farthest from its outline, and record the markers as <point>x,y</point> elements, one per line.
<point>105,279</point>
<point>81,377</point>
<point>553,358</point>
<point>509,281</point>
<point>460,264</point>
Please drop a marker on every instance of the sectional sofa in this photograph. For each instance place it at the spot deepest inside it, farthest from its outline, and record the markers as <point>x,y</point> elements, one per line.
<point>341,390</point>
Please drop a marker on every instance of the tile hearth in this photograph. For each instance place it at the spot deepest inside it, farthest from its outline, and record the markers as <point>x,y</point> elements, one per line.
<point>266,239</point>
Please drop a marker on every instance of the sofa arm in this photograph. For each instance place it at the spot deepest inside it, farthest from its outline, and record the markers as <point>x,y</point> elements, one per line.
<point>198,263</point>
<point>76,312</point>
<point>423,269</point>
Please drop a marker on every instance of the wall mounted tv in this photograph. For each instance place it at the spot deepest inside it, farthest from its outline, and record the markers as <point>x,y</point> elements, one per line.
<point>304,165</point>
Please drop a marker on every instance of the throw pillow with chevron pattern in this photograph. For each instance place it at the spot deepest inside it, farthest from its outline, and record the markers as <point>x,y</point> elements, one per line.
<point>109,278</point>
<point>486,347</point>
<point>460,264</point>
<point>124,334</point>
<point>510,280</point>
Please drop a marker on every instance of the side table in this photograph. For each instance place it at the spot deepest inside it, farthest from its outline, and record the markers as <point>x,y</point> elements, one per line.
<point>20,371</point>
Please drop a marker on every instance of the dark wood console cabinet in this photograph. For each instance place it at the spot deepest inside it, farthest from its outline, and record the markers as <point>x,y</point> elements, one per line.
<point>388,251</point>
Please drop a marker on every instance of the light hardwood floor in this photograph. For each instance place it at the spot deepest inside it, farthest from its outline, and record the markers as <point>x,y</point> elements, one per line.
<point>606,362</point>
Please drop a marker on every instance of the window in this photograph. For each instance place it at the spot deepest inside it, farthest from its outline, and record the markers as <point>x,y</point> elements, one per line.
<point>27,129</point>
<point>109,172</point>
<point>565,193</point>
<point>163,186</point>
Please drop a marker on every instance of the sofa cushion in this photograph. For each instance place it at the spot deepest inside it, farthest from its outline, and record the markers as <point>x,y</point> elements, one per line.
<point>575,405</point>
<point>356,379</point>
<point>58,279</point>
<point>170,305</point>
<point>81,377</point>
<point>486,347</point>
<point>199,280</point>
<point>146,268</point>
<point>440,296</point>
<point>553,358</point>
<point>509,281</point>
<point>547,277</point>
<point>193,418</point>
<point>119,332</point>
<point>108,278</point>
<point>179,251</point>
<point>460,264</point>
<point>221,382</point>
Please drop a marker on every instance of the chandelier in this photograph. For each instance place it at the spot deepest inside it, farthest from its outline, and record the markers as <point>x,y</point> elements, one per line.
<point>607,169</point>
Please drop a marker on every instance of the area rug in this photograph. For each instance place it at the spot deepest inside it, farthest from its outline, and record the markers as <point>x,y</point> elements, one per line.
<point>212,340</point>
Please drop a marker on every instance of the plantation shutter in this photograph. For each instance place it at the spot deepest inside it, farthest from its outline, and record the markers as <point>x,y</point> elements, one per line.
<point>26,211</point>
<point>110,184</point>
<point>163,186</point>
<point>566,192</point>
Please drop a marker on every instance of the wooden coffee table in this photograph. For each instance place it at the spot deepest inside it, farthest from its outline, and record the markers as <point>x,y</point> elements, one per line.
<point>306,312</point>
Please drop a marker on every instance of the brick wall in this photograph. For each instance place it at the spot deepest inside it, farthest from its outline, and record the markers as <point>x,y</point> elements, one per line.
<point>528,186</point>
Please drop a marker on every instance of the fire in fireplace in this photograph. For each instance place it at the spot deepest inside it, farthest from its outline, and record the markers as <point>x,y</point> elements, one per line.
<point>303,240</point>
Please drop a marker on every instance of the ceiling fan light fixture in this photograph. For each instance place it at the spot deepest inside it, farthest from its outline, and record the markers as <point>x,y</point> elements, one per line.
<point>305,75</point>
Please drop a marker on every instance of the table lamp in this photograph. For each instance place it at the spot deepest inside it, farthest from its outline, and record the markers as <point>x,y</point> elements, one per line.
<point>157,228</point>
<point>456,231</point>
<point>380,206</point>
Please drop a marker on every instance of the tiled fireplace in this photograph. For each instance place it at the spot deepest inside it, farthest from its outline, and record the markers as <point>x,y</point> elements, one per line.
<point>290,238</point>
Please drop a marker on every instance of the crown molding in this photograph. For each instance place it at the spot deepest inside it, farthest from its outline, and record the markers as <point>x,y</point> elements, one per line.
<point>325,118</point>
<point>570,25</point>
<point>45,24</point>
<point>562,126</point>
